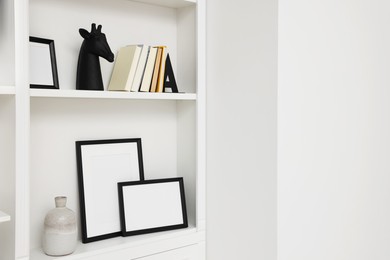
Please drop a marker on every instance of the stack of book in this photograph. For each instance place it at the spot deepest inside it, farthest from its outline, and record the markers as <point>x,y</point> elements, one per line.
<point>139,68</point>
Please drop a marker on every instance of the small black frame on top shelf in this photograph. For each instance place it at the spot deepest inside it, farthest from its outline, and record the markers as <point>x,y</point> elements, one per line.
<point>152,206</point>
<point>43,64</point>
<point>101,164</point>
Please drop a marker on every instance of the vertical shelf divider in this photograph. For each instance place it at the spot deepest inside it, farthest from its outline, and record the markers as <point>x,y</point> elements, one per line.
<point>201,115</point>
<point>22,132</point>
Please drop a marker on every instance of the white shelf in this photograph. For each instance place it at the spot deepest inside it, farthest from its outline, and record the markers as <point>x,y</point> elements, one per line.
<point>4,217</point>
<point>41,115</point>
<point>185,236</point>
<point>7,90</point>
<point>57,93</point>
<point>168,3</point>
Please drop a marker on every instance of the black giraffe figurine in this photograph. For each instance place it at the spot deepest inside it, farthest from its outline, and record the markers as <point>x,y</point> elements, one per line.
<point>89,75</point>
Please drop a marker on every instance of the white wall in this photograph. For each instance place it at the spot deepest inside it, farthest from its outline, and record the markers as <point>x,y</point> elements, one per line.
<point>241,129</point>
<point>334,130</point>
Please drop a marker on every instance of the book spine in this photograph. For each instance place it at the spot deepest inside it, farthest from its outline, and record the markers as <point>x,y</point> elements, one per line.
<point>156,71</point>
<point>160,80</point>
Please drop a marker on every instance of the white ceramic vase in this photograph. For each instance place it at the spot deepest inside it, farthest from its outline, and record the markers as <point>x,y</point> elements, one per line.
<point>60,231</point>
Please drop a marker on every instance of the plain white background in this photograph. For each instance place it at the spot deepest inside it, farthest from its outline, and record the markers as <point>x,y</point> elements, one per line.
<point>241,129</point>
<point>40,64</point>
<point>104,165</point>
<point>333,130</point>
<point>142,203</point>
<point>333,125</point>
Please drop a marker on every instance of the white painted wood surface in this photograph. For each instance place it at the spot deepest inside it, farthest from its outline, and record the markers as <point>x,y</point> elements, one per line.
<point>7,90</point>
<point>4,217</point>
<point>169,3</point>
<point>55,93</point>
<point>22,132</point>
<point>125,248</point>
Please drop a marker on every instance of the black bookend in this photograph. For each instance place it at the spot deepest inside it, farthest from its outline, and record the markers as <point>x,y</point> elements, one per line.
<point>169,77</point>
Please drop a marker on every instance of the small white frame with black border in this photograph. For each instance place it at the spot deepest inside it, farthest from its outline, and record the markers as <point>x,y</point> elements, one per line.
<point>43,64</point>
<point>152,206</point>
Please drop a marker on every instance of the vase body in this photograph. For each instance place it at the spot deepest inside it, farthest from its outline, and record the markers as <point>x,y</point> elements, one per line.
<point>60,230</point>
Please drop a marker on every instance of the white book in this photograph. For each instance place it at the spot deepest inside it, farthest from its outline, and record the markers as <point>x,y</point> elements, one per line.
<point>125,67</point>
<point>140,68</point>
<point>149,68</point>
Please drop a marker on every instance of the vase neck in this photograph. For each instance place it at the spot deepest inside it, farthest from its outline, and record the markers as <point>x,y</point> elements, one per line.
<point>60,202</point>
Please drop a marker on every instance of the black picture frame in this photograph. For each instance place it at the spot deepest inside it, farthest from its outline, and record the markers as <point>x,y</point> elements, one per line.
<point>101,164</point>
<point>144,195</point>
<point>52,73</point>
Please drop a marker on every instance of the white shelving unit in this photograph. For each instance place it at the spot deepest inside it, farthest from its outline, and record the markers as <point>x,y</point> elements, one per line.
<point>53,93</point>
<point>4,217</point>
<point>7,90</point>
<point>49,121</point>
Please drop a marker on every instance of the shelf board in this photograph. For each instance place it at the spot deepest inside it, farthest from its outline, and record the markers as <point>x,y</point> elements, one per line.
<point>57,93</point>
<point>168,3</point>
<point>4,217</point>
<point>7,90</point>
<point>90,250</point>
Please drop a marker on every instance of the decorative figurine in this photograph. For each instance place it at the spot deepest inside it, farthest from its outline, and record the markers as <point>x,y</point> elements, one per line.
<point>89,75</point>
<point>171,83</point>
